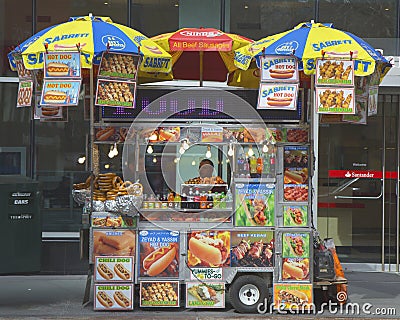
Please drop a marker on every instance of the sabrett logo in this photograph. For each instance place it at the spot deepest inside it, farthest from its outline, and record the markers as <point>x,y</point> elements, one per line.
<point>270,63</point>
<point>324,44</point>
<point>33,58</point>
<point>156,62</point>
<point>66,36</point>
<point>266,93</point>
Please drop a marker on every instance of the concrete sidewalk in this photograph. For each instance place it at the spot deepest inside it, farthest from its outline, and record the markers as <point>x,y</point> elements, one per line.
<point>60,297</point>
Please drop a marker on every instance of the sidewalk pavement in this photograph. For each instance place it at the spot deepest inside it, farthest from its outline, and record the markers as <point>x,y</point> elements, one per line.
<point>60,297</point>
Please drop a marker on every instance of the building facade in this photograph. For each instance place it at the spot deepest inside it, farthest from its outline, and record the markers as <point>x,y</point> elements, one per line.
<point>361,214</point>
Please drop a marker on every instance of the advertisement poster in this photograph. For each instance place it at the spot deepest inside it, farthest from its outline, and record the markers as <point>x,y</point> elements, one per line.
<point>279,69</point>
<point>209,248</point>
<point>373,101</point>
<point>113,297</point>
<point>334,72</point>
<point>255,205</point>
<point>212,134</point>
<point>113,269</point>
<point>295,176</point>
<point>112,93</point>
<point>49,112</point>
<point>295,192</point>
<point>108,220</point>
<point>159,294</point>
<point>252,249</point>
<point>295,269</point>
<point>294,296</point>
<point>208,274</point>
<point>277,134</point>
<point>162,134</point>
<point>277,96</point>
<point>60,93</point>
<point>62,65</point>
<point>205,295</point>
<point>246,134</point>
<point>361,86</point>
<point>119,65</point>
<point>360,116</point>
<point>115,242</point>
<point>25,93</point>
<point>159,253</point>
<point>295,216</point>
<point>23,73</point>
<point>295,157</point>
<point>297,135</point>
<point>295,245</point>
<point>110,134</point>
<point>335,100</point>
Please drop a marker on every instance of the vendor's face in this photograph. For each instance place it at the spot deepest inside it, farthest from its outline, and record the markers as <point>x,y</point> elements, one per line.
<point>206,170</point>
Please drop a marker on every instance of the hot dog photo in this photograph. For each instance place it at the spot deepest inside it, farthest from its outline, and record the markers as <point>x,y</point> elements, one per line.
<point>209,249</point>
<point>252,249</point>
<point>293,296</point>
<point>62,65</point>
<point>296,176</point>
<point>295,245</point>
<point>295,269</point>
<point>112,297</point>
<point>113,269</point>
<point>277,96</point>
<point>278,68</point>
<point>295,216</point>
<point>159,253</point>
<point>60,93</point>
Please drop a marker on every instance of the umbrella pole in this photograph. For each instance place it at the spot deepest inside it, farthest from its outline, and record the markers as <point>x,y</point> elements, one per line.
<point>314,143</point>
<point>201,67</point>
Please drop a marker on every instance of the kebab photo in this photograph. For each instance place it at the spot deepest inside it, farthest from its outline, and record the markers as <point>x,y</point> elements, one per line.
<point>256,254</point>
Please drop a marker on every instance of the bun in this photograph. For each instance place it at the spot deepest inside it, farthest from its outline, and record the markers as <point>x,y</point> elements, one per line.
<point>50,111</point>
<point>105,271</point>
<point>293,271</point>
<point>122,272</point>
<point>104,134</point>
<point>121,299</point>
<point>281,74</point>
<point>294,177</point>
<point>54,97</point>
<point>205,252</point>
<point>279,102</point>
<point>104,299</point>
<point>343,55</point>
<point>56,69</point>
<point>158,260</point>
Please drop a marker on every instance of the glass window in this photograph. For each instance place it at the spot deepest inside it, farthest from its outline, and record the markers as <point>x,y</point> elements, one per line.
<point>155,17</point>
<point>15,27</point>
<point>257,19</point>
<point>374,21</point>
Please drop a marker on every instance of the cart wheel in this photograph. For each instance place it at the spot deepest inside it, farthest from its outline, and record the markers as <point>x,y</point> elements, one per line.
<point>249,294</point>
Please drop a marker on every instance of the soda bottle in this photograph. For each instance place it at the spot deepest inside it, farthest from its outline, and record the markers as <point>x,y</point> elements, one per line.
<point>197,199</point>
<point>171,197</point>
<point>272,164</point>
<point>203,200</point>
<point>240,165</point>
<point>177,201</point>
<point>210,200</point>
<point>253,166</point>
<point>183,201</point>
<point>246,168</point>
<point>260,166</point>
<point>216,200</point>
<point>229,199</point>
<point>190,199</point>
<point>222,201</point>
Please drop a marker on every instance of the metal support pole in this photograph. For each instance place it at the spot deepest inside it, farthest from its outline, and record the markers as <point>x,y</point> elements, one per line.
<point>314,140</point>
<point>201,67</point>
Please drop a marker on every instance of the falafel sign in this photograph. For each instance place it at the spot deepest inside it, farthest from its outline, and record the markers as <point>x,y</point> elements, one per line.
<point>62,65</point>
<point>60,93</point>
<point>277,96</point>
<point>279,69</point>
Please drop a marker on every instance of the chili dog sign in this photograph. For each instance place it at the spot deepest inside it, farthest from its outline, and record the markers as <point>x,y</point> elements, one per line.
<point>279,69</point>
<point>113,297</point>
<point>112,268</point>
<point>277,96</point>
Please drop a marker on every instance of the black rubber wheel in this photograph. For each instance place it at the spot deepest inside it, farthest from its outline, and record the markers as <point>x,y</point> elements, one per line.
<point>249,294</point>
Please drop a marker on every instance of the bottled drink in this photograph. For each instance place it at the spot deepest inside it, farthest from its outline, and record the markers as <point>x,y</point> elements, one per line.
<point>229,199</point>
<point>260,165</point>
<point>222,201</point>
<point>171,197</point>
<point>197,199</point>
<point>190,199</point>
<point>272,164</point>
<point>157,202</point>
<point>240,164</point>
<point>210,200</point>
<point>164,201</point>
<point>253,166</point>
<point>246,167</point>
<point>183,201</point>
<point>216,200</point>
<point>177,201</point>
<point>203,200</point>
<point>266,165</point>
<point>151,201</point>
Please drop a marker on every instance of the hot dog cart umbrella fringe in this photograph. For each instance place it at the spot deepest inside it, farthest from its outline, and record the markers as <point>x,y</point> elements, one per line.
<point>204,54</point>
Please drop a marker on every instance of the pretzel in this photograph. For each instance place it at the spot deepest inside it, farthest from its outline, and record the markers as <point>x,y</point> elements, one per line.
<point>117,182</point>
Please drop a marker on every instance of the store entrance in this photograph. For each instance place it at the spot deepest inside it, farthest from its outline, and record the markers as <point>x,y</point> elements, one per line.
<point>358,203</point>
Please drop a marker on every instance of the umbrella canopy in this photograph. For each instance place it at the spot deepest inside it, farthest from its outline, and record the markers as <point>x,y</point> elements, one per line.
<point>216,50</point>
<point>309,41</point>
<point>93,36</point>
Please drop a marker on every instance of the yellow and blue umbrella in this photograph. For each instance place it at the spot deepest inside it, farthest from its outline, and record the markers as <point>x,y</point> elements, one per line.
<point>309,41</point>
<point>93,36</point>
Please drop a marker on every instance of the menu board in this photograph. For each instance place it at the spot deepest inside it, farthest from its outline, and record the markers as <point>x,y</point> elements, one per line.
<point>205,295</point>
<point>295,245</point>
<point>159,294</point>
<point>119,65</point>
<point>254,204</point>
<point>112,297</point>
<point>295,216</point>
<point>159,253</point>
<point>60,93</point>
<point>115,242</point>
<point>334,72</point>
<point>109,269</point>
<point>208,248</point>
<point>335,100</point>
<point>295,269</point>
<point>211,134</point>
<point>293,296</point>
<point>25,93</point>
<point>279,69</point>
<point>277,96</point>
<point>114,93</point>
<point>252,249</point>
<point>62,65</point>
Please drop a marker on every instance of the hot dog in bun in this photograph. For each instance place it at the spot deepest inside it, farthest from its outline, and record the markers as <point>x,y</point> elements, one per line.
<point>104,134</point>
<point>104,299</point>
<point>121,299</point>
<point>54,97</point>
<point>279,101</point>
<point>158,260</point>
<point>341,55</point>
<point>105,271</point>
<point>294,177</point>
<point>281,74</point>
<point>295,270</point>
<point>50,111</point>
<point>122,272</point>
<point>210,250</point>
<point>56,69</point>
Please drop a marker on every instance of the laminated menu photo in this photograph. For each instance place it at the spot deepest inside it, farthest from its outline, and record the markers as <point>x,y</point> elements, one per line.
<point>114,242</point>
<point>112,297</point>
<point>110,269</point>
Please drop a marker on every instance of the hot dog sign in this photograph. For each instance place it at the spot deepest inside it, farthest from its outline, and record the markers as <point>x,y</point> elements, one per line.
<point>279,69</point>
<point>60,93</point>
<point>277,96</point>
<point>62,65</point>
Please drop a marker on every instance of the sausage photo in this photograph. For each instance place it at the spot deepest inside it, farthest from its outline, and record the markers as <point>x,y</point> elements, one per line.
<point>279,102</point>
<point>105,271</point>
<point>54,97</point>
<point>122,272</point>
<point>158,260</point>
<point>121,299</point>
<point>281,74</point>
<point>104,299</point>
<point>209,250</point>
<point>56,69</point>
<point>105,134</point>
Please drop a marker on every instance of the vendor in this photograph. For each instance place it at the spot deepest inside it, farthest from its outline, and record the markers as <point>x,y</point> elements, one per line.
<point>206,169</point>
